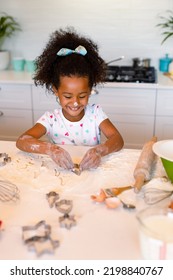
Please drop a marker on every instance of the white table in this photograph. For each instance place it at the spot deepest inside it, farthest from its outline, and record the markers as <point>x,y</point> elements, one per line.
<point>100,233</point>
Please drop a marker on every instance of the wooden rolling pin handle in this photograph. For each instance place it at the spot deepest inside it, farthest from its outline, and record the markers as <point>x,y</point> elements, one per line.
<point>143,168</point>
<point>139,182</point>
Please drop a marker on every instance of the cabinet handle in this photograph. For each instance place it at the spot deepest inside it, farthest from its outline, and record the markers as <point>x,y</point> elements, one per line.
<point>94,91</point>
<point>1,113</point>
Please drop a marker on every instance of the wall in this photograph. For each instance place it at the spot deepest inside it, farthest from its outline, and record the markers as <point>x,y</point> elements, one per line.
<point>120,27</point>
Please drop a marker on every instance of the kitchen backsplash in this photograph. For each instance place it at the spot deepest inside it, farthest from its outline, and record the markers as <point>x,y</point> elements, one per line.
<point>120,27</point>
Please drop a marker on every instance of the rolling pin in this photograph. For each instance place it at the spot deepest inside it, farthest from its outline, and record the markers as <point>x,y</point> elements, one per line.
<point>144,165</point>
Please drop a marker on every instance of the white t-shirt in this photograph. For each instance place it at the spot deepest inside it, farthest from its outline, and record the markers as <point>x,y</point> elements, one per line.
<point>84,132</point>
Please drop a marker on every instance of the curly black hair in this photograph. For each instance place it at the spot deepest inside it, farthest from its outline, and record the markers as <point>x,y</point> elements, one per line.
<point>50,67</point>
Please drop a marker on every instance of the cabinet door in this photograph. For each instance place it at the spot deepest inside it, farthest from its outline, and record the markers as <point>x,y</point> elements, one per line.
<point>15,96</point>
<point>131,111</point>
<point>164,114</point>
<point>135,101</point>
<point>164,128</point>
<point>164,106</point>
<point>42,100</point>
<point>14,122</point>
<point>135,130</point>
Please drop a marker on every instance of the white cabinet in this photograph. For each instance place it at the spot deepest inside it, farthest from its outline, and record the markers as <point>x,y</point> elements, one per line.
<point>132,111</point>
<point>15,110</point>
<point>42,102</point>
<point>164,114</point>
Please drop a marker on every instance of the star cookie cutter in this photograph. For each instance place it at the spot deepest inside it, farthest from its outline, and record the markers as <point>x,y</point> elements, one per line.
<point>67,221</point>
<point>65,206</point>
<point>38,237</point>
<point>44,246</point>
<point>4,159</point>
<point>52,197</point>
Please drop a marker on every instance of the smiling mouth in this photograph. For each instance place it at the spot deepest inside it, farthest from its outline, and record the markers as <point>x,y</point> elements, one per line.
<point>74,108</point>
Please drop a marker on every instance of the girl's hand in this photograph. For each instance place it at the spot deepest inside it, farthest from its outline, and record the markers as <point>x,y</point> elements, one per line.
<point>91,159</point>
<point>61,157</point>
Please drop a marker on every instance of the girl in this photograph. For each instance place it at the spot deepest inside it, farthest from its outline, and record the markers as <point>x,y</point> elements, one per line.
<point>69,67</point>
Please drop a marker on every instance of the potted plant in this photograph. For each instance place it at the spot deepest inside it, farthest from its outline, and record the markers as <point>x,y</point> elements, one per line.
<point>8,26</point>
<point>166,25</point>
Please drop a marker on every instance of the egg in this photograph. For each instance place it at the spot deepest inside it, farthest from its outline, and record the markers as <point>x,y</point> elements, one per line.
<point>112,202</point>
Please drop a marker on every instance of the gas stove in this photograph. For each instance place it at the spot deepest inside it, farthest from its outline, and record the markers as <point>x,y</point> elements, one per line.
<point>129,74</point>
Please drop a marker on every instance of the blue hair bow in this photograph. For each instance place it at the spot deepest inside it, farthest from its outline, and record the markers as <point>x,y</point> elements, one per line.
<point>79,50</point>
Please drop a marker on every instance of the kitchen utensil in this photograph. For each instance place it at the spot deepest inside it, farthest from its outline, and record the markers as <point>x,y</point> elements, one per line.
<point>164,63</point>
<point>139,62</point>
<point>52,197</point>
<point>116,59</point>
<point>4,159</point>
<point>146,62</point>
<point>153,195</point>
<point>8,191</point>
<point>144,165</point>
<point>38,238</point>
<point>127,205</point>
<point>116,191</point>
<point>111,192</point>
<point>76,169</point>
<point>65,206</point>
<point>115,201</point>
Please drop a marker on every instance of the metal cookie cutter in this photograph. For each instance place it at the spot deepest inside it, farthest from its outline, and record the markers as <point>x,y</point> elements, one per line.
<point>76,169</point>
<point>5,159</point>
<point>33,233</point>
<point>65,206</point>
<point>38,237</point>
<point>44,246</point>
<point>52,197</point>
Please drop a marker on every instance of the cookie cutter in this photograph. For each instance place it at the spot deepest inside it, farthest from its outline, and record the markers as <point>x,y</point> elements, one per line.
<point>76,169</point>
<point>5,159</point>
<point>40,231</point>
<point>52,197</point>
<point>44,246</point>
<point>65,206</point>
<point>38,237</point>
<point>67,221</point>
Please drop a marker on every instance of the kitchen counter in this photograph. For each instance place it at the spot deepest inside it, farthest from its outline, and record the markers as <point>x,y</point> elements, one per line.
<point>100,232</point>
<point>11,77</point>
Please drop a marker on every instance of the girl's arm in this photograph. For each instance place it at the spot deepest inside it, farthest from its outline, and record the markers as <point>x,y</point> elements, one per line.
<point>114,140</point>
<point>29,142</point>
<point>113,143</point>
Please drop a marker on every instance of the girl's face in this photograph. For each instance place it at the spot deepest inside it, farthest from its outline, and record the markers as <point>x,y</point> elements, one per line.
<point>73,94</point>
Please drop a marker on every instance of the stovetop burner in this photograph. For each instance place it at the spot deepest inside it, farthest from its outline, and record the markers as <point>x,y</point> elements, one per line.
<point>129,74</point>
